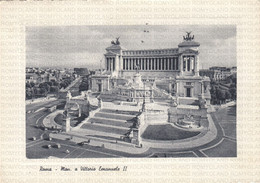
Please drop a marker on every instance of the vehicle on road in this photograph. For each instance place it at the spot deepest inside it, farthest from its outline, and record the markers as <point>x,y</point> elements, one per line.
<point>85,142</point>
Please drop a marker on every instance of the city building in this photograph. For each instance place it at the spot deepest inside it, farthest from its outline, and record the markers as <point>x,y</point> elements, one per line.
<point>33,78</point>
<point>218,73</point>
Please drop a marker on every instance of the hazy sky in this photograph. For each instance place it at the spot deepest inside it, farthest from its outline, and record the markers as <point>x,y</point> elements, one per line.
<point>84,46</point>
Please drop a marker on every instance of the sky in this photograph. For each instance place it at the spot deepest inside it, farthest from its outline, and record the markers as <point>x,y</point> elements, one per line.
<point>84,46</point>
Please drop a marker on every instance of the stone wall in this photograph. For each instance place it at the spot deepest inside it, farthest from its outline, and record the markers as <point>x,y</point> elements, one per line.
<point>151,74</point>
<point>175,113</point>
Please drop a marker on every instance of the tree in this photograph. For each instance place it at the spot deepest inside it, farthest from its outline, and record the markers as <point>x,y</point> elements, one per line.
<point>32,84</point>
<point>233,92</point>
<point>28,85</point>
<point>28,93</point>
<point>221,96</point>
<point>43,91</point>
<point>213,95</point>
<point>54,89</point>
<point>227,95</point>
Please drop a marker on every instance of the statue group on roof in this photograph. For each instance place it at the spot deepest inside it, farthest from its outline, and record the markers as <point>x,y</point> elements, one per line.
<point>188,37</point>
<point>116,42</point>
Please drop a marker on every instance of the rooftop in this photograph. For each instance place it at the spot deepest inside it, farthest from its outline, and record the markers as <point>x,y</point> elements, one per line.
<point>188,43</point>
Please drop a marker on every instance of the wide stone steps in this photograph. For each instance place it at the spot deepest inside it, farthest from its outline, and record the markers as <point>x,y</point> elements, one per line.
<point>134,113</point>
<point>114,116</point>
<point>111,122</point>
<point>106,129</point>
<point>99,134</point>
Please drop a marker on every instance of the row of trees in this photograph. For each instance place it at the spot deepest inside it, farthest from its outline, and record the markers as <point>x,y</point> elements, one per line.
<point>41,90</point>
<point>220,95</point>
<point>84,85</point>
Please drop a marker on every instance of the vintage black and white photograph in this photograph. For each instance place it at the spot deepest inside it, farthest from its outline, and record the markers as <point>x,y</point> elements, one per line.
<point>122,91</point>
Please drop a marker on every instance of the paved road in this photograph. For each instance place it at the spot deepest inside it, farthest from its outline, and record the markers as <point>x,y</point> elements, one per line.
<point>38,105</point>
<point>224,145</point>
<point>39,149</point>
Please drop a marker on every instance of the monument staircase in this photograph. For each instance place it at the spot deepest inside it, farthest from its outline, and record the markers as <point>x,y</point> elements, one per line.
<point>161,94</point>
<point>109,125</point>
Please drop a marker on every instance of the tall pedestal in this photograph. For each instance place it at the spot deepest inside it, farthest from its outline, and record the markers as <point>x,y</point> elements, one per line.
<point>67,124</point>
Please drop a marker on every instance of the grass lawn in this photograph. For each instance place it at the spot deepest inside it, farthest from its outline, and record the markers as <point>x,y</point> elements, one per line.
<point>59,119</point>
<point>166,132</point>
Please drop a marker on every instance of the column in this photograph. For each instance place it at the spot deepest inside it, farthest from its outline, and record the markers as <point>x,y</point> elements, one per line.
<point>110,64</point>
<point>177,63</point>
<point>162,66</point>
<point>173,63</point>
<point>154,63</point>
<point>141,63</point>
<point>144,64</point>
<point>133,64</point>
<point>192,64</point>
<point>129,64</point>
<point>186,64</point>
<point>114,64</point>
<point>147,63</point>
<point>107,62</point>
<point>160,63</point>
<point>165,63</point>
<point>168,62</point>
<point>197,65</point>
<point>150,64</point>
<point>108,59</point>
<point>157,64</point>
<point>181,63</point>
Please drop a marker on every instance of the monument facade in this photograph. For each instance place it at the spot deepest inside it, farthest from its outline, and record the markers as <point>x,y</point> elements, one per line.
<point>177,68</point>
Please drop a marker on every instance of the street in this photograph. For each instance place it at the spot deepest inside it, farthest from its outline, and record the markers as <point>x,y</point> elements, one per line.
<point>223,146</point>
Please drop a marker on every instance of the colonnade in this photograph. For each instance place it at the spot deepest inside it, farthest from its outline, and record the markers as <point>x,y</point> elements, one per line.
<point>110,63</point>
<point>167,63</point>
<point>188,63</point>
